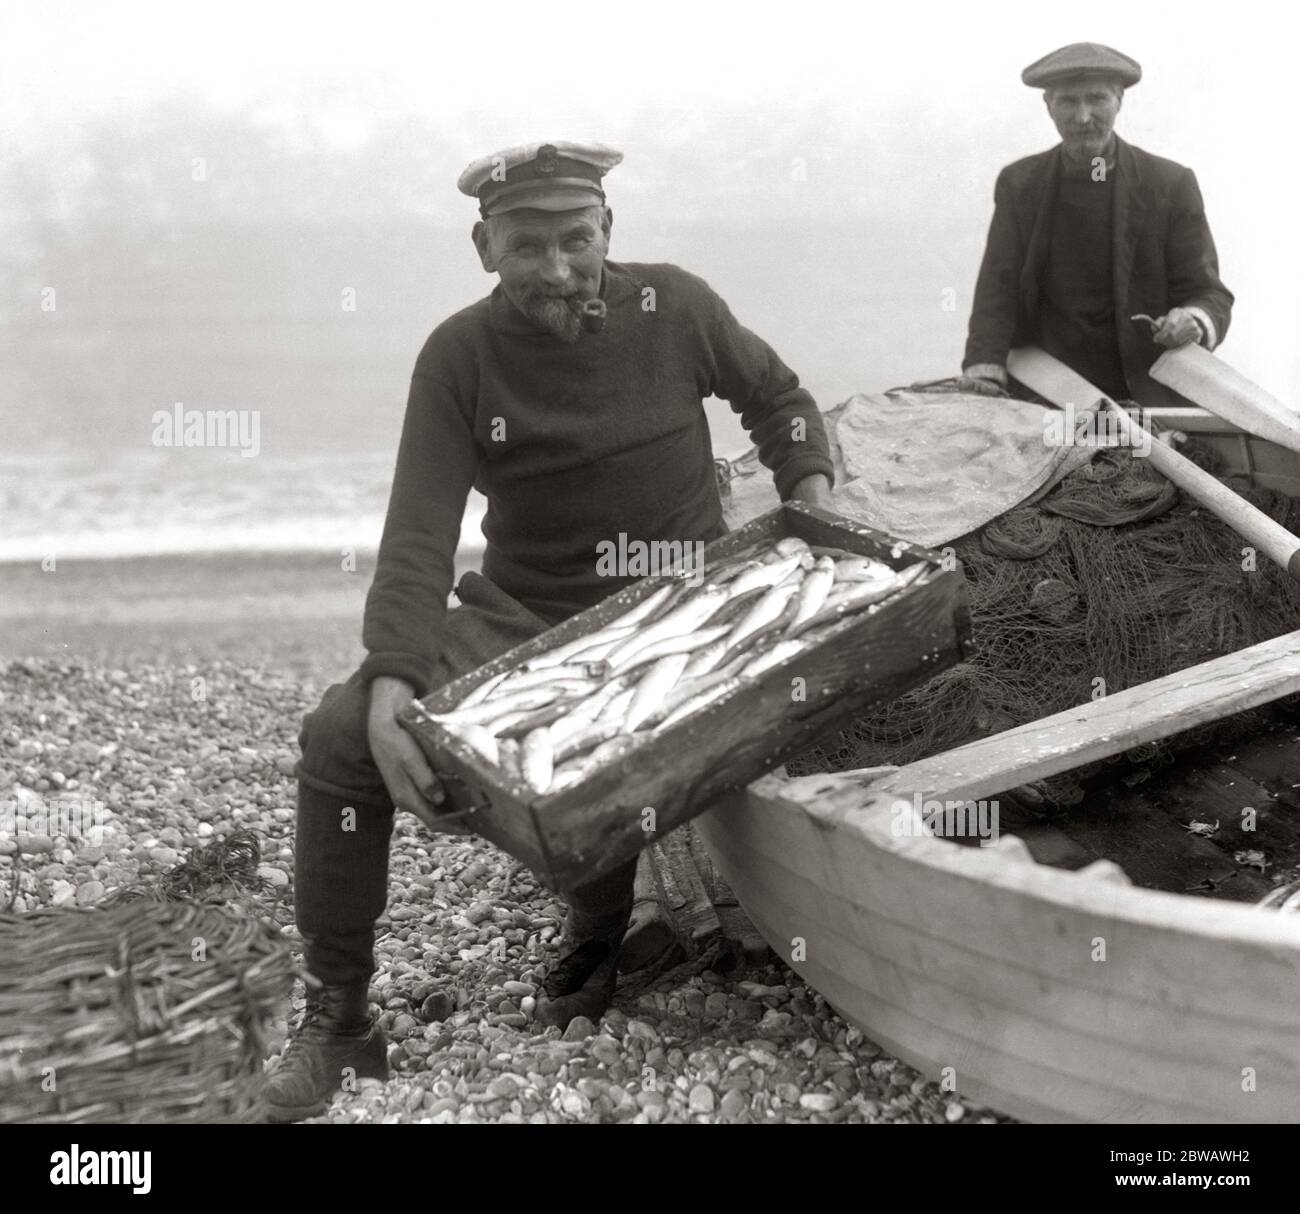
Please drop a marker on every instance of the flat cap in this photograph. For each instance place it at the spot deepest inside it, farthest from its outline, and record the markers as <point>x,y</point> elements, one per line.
<point>1082,59</point>
<point>542,176</point>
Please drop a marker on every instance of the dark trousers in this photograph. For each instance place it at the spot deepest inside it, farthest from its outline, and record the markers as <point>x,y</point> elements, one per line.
<point>345,815</point>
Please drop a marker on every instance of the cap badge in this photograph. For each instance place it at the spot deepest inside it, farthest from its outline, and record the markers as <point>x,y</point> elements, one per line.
<point>548,161</point>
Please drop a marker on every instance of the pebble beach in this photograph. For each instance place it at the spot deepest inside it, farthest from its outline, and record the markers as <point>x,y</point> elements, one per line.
<point>185,741</point>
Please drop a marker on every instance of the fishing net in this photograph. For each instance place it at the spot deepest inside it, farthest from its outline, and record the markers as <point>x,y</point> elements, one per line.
<point>1111,579</point>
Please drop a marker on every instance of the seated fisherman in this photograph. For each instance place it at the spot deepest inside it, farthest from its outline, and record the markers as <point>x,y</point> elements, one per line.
<point>1086,236</point>
<point>574,437</point>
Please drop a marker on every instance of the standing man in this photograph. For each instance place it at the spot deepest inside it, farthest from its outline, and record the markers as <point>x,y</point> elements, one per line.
<point>1089,234</point>
<point>578,431</point>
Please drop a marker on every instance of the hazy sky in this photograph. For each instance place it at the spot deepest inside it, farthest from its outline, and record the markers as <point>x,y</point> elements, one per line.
<point>866,137</point>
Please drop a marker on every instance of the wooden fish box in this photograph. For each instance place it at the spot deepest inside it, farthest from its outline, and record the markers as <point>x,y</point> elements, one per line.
<point>584,831</point>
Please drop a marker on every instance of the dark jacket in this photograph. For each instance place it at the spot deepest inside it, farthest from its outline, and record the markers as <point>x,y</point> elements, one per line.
<point>1164,257</point>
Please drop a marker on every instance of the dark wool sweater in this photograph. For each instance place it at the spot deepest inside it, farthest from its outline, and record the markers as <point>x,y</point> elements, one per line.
<point>572,445</point>
<point>1076,320</point>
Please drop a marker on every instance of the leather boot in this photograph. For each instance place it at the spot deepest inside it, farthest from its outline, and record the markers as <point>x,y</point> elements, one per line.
<point>580,983</point>
<point>336,1044</point>
<point>583,978</point>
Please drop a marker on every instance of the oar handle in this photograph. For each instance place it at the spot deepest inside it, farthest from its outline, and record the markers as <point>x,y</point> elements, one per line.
<point>1251,523</point>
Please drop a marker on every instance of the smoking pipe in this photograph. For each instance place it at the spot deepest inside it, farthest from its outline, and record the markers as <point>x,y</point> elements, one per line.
<point>593,315</point>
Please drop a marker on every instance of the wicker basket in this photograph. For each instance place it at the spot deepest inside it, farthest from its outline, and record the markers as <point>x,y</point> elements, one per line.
<point>143,1012</point>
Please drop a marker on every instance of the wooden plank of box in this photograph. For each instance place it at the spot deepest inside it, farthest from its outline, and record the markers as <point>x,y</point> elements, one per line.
<point>590,828</point>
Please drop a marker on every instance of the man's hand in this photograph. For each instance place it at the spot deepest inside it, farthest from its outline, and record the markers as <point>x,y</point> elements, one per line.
<point>1177,327</point>
<point>816,491</point>
<point>407,775</point>
<point>983,379</point>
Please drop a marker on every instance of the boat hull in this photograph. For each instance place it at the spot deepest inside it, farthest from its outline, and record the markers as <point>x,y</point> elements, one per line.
<point>1046,994</point>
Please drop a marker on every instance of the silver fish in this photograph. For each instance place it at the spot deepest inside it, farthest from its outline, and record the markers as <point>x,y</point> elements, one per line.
<point>791,545</point>
<point>862,569</point>
<point>585,739</point>
<point>686,643</point>
<point>484,689</point>
<point>601,647</point>
<point>503,725</point>
<point>646,607</point>
<point>508,751</point>
<point>520,724</point>
<point>860,596</point>
<point>616,709</point>
<point>814,589</point>
<point>537,760</point>
<point>478,739</point>
<point>704,660</point>
<point>489,710</point>
<point>624,625</point>
<point>688,688</point>
<point>652,689</point>
<point>519,680</point>
<point>586,711</point>
<point>778,653</point>
<point>576,770</point>
<point>767,609</point>
<point>693,613</point>
<point>764,574</point>
<point>699,702</point>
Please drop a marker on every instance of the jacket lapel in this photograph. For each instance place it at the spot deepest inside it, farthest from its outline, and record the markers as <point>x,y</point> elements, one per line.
<point>1040,234</point>
<point>1130,207</point>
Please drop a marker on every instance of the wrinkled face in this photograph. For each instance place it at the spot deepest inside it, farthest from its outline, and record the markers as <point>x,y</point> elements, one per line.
<point>550,262</point>
<point>1084,111</point>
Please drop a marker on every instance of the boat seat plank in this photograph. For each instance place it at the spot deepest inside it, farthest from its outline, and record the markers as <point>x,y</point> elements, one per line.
<point>1100,728</point>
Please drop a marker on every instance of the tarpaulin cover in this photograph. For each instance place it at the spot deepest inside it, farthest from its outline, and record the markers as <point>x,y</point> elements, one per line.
<point>925,467</point>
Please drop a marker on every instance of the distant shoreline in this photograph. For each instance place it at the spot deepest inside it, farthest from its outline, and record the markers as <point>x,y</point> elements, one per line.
<point>297,609</point>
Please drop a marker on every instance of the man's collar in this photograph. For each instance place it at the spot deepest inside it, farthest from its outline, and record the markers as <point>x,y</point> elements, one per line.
<point>617,286</point>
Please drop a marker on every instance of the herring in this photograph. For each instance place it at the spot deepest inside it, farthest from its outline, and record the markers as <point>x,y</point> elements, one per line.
<point>814,589</point>
<point>862,569</point>
<point>576,770</point>
<point>490,710</point>
<point>652,689</point>
<point>689,615</point>
<point>686,643</point>
<point>484,689</point>
<point>519,680</point>
<point>767,609</point>
<point>537,760</point>
<point>764,574</point>
<point>701,701</point>
<point>765,661</point>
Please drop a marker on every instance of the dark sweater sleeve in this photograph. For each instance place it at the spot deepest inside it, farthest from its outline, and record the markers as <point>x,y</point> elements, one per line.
<point>781,417</point>
<point>436,464</point>
<point>997,289</point>
<point>1192,260</point>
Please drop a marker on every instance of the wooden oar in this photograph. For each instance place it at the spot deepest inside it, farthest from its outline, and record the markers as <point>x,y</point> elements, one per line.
<point>1200,376</point>
<point>1054,381</point>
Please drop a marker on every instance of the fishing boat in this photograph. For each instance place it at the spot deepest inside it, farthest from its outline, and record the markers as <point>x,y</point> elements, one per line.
<point>1114,967</point>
